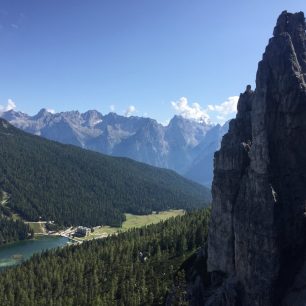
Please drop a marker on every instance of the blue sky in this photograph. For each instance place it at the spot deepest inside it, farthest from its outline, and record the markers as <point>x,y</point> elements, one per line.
<point>146,57</point>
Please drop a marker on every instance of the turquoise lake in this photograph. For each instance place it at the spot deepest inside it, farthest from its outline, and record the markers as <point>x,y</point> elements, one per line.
<point>15,253</point>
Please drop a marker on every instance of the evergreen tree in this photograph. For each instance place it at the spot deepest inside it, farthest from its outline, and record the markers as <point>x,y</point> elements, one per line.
<point>109,271</point>
<point>55,182</point>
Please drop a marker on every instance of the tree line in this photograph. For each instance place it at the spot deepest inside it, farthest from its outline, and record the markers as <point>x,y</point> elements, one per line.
<point>13,230</point>
<point>138,267</point>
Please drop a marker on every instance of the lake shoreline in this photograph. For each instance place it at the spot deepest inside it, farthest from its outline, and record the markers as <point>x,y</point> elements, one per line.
<point>17,252</point>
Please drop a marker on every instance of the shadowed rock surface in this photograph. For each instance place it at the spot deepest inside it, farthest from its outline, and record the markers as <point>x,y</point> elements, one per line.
<point>257,231</point>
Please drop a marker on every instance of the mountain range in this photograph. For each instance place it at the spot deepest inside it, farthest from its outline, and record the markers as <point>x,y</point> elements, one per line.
<point>184,145</point>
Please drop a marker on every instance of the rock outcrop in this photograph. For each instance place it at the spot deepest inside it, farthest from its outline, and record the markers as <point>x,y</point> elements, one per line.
<point>257,231</point>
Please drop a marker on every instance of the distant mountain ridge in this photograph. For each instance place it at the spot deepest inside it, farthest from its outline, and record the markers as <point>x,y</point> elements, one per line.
<point>182,145</point>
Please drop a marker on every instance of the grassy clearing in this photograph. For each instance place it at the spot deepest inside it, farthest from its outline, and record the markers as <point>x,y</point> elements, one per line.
<point>134,221</point>
<point>4,199</point>
<point>16,217</point>
<point>37,227</point>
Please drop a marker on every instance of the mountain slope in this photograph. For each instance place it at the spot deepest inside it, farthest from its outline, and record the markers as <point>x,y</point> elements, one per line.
<point>70,185</point>
<point>143,139</point>
<point>133,268</point>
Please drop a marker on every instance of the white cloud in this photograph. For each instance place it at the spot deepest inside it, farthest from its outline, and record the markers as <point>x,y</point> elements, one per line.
<point>213,112</point>
<point>130,110</point>
<point>112,107</point>
<point>228,107</point>
<point>193,111</point>
<point>166,122</point>
<point>221,118</point>
<point>50,110</point>
<point>10,106</point>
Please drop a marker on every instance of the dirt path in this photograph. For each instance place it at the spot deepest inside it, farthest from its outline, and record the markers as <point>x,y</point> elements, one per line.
<point>4,199</point>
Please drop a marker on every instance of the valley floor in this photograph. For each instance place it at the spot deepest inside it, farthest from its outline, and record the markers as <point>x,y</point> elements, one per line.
<point>99,232</point>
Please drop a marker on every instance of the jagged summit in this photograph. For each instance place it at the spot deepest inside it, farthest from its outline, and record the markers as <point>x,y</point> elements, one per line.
<point>42,113</point>
<point>290,23</point>
<point>176,146</point>
<point>257,231</point>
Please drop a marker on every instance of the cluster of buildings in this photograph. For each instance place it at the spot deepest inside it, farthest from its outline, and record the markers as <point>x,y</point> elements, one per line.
<point>82,231</point>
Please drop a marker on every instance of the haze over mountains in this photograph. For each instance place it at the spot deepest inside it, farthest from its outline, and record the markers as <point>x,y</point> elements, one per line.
<point>184,145</point>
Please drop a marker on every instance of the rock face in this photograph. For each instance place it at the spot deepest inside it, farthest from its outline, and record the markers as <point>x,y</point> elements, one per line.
<point>257,231</point>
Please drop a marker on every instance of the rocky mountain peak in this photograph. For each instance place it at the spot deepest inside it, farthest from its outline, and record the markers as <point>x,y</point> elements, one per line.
<point>179,120</point>
<point>92,117</point>
<point>257,231</point>
<point>290,23</point>
<point>91,114</point>
<point>42,113</point>
<point>12,115</point>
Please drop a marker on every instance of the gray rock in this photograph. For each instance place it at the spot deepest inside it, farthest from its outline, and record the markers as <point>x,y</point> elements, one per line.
<point>257,230</point>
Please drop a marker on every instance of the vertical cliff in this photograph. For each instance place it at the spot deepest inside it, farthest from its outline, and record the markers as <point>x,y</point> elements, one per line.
<point>257,230</point>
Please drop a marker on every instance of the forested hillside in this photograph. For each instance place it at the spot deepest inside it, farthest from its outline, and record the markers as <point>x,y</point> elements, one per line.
<point>11,230</point>
<point>72,186</point>
<point>138,267</point>
<point>177,146</point>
